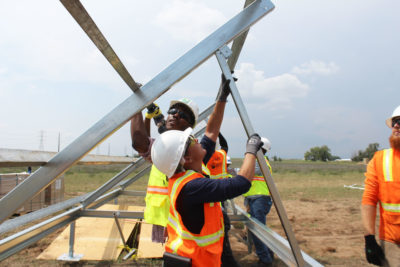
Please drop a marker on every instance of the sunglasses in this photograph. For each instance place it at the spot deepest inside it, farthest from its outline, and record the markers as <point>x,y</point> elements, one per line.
<point>190,141</point>
<point>394,121</point>
<point>181,114</point>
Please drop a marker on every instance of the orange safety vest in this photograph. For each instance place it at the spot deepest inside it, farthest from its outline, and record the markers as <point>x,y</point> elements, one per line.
<point>387,163</point>
<point>204,249</point>
<point>217,165</point>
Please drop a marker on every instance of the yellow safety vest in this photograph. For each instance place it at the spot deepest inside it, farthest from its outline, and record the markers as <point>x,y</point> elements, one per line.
<point>258,184</point>
<point>157,200</point>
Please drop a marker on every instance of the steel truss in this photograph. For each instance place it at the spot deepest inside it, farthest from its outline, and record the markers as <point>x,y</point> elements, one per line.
<point>235,29</point>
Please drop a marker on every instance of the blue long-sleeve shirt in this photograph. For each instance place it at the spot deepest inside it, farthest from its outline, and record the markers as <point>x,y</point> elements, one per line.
<point>190,202</point>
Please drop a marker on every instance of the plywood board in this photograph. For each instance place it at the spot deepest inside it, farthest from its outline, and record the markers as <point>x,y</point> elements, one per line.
<point>147,248</point>
<point>95,238</point>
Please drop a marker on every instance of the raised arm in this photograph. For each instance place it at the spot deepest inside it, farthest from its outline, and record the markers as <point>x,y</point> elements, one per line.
<point>216,117</point>
<point>139,134</point>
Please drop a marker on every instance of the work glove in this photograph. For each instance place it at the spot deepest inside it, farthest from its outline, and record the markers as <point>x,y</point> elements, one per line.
<point>253,144</point>
<point>224,89</point>
<point>373,251</point>
<point>153,110</point>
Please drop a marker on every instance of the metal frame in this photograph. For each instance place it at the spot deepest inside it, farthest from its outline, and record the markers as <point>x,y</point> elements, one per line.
<point>215,44</point>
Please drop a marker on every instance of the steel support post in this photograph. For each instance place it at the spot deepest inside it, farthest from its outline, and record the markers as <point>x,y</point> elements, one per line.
<point>71,256</point>
<point>221,56</point>
<point>147,94</point>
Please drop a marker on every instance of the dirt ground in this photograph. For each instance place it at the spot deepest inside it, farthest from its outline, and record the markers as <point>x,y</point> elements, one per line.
<point>330,232</point>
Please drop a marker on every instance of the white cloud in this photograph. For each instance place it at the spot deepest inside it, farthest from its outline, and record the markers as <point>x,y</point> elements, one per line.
<point>275,93</point>
<point>317,67</point>
<point>189,20</point>
<point>3,70</point>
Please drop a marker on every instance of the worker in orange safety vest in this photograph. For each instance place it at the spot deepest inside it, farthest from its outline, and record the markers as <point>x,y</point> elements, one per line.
<point>218,168</point>
<point>382,185</point>
<point>195,224</point>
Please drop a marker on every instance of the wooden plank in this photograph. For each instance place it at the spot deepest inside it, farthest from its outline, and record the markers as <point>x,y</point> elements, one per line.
<point>95,238</point>
<point>147,248</point>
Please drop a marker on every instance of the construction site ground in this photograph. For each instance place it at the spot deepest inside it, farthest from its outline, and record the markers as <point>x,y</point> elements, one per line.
<point>324,214</point>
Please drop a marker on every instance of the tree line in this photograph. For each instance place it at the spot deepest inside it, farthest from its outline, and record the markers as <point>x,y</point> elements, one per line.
<point>323,153</point>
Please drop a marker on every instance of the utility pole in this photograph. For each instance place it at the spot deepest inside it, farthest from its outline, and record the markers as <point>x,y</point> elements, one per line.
<point>41,145</point>
<point>59,141</point>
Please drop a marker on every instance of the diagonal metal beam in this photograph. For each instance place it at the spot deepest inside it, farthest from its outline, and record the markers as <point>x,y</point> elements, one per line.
<point>79,13</point>
<point>147,94</point>
<point>260,157</point>
<point>238,43</point>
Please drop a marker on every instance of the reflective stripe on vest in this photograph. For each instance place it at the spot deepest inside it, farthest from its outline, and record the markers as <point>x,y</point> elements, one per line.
<point>201,241</point>
<point>258,184</point>
<point>204,169</point>
<point>161,190</point>
<point>157,201</point>
<point>387,165</point>
<point>391,207</point>
<point>217,165</point>
<point>184,243</point>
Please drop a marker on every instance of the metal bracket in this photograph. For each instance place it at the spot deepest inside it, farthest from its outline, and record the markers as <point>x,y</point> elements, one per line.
<point>225,51</point>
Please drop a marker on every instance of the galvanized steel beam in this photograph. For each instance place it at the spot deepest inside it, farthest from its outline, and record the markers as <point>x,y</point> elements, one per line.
<point>133,104</point>
<point>260,157</point>
<point>275,242</point>
<point>79,13</point>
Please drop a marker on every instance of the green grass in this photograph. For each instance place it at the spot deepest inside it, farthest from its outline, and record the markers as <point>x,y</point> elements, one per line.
<point>297,179</point>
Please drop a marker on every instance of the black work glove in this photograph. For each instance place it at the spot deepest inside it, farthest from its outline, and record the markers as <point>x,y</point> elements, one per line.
<point>253,144</point>
<point>373,251</point>
<point>224,89</point>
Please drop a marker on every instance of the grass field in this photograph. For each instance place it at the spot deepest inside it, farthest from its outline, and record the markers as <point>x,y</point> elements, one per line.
<point>324,214</point>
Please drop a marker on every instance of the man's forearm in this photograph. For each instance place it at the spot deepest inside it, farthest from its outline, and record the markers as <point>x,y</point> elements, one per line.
<point>247,169</point>
<point>368,215</point>
<point>139,136</point>
<point>215,121</point>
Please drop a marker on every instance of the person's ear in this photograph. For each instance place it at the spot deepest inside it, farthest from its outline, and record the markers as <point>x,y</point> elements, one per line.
<point>187,158</point>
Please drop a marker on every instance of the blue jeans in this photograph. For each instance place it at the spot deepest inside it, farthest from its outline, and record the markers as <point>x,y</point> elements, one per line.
<point>259,208</point>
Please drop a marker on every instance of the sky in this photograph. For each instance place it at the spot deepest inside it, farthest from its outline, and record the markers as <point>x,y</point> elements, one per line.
<point>311,73</point>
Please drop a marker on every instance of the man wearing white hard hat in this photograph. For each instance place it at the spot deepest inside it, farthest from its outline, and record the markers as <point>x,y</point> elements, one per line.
<point>182,114</point>
<point>259,202</point>
<point>195,222</point>
<point>382,184</point>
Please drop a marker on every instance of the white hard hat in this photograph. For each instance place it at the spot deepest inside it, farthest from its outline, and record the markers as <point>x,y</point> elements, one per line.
<point>190,104</point>
<point>267,144</point>
<point>396,113</point>
<point>228,160</point>
<point>168,149</point>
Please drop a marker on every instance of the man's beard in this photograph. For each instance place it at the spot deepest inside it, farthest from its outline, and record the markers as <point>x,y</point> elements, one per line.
<point>394,142</point>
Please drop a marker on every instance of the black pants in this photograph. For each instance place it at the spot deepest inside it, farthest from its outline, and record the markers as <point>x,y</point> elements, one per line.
<point>227,257</point>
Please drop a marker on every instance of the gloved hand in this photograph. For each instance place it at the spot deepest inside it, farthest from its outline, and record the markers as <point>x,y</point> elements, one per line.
<point>153,110</point>
<point>224,89</point>
<point>253,144</point>
<point>373,251</point>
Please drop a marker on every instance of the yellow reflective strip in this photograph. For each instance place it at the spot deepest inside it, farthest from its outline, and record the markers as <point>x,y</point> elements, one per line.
<point>175,187</point>
<point>204,169</point>
<point>391,207</point>
<point>387,165</point>
<point>200,240</point>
